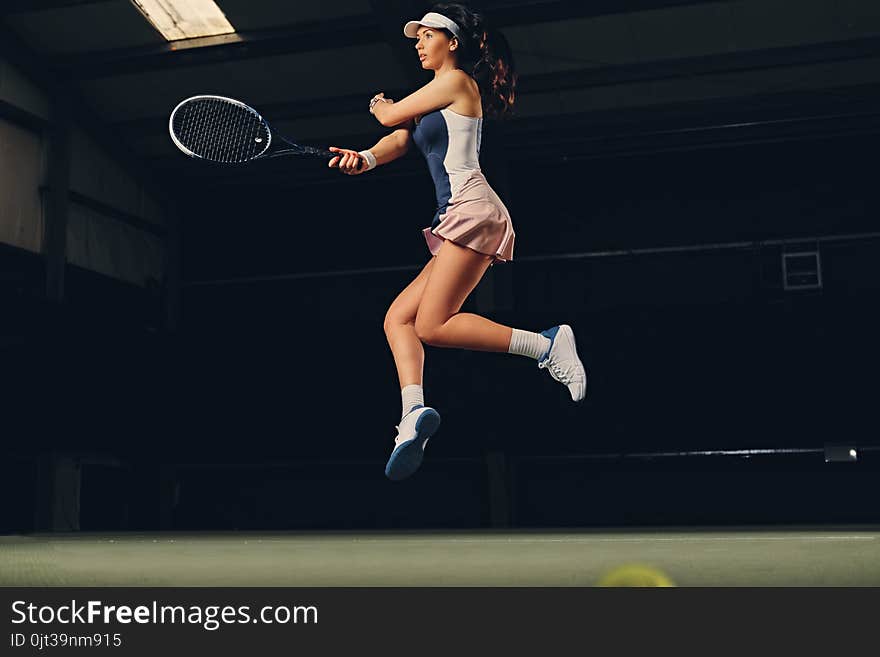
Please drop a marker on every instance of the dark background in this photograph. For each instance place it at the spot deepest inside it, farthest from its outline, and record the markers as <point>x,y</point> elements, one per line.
<point>270,402</point>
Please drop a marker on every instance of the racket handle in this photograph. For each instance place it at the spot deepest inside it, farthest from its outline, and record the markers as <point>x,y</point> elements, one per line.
<point>297,149</point>
<point>329,155</point>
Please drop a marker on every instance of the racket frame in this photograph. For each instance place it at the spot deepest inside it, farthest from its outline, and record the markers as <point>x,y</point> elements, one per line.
<point>250,109</point>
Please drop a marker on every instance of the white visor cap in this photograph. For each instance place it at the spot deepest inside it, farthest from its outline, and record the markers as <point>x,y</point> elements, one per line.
<point>431,19</point>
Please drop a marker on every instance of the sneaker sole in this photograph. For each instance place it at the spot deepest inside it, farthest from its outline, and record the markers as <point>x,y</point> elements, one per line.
<point>407,456</point>
<point>568,334</point>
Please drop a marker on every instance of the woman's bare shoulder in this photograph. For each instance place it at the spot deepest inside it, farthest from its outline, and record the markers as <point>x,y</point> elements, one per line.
<point>468,100</point>
<point>464,79</point>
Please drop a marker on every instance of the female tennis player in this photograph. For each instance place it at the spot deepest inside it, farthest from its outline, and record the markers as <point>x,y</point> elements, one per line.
<point>471,229</point>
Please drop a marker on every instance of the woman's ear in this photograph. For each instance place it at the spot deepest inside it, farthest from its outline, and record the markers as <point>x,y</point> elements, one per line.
<point>453,44</point>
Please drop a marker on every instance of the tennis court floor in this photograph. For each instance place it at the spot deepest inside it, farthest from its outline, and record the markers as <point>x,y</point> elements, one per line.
<point>746,556</point>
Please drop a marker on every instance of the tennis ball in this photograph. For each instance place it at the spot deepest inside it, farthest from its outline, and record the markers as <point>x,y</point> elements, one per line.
<point>635,575</point>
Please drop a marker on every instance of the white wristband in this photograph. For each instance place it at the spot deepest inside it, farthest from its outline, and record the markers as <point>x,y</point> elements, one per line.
<point>369,158</point>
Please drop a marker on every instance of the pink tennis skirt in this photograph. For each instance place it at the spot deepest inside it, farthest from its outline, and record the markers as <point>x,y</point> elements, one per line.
<point>475,218</point>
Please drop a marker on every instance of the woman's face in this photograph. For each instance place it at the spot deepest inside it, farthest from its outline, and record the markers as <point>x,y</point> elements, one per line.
<point>433,47</point>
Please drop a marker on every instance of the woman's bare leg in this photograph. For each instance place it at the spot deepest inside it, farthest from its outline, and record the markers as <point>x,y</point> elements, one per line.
<point>399,325</point>
<point>455,274</point>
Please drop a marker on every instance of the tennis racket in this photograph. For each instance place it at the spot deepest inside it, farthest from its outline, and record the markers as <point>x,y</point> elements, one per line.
<point>226,131</point>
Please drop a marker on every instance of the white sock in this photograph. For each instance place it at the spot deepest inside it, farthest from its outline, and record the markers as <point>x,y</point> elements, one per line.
<point>526,343</point>
<point>412,395</point>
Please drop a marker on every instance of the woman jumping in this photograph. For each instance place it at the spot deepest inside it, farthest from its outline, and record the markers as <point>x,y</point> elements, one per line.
<point>471,230</point>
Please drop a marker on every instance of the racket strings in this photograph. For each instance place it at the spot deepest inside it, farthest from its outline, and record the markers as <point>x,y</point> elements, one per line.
<point>243,137</point>
<point>221,131</point>
<point>217,132</point>
<point>229,134</point>
<point>210,136</point>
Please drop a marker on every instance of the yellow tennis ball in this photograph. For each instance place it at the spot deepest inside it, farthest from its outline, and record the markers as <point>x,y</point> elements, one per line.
<point>635,575</point>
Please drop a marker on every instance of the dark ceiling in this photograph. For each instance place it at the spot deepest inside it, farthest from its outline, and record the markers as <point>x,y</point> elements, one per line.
<point>597,77</point>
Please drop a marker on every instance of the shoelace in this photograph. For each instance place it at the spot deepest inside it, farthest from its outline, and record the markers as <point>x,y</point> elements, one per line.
<point>395,443</point>
<point>564,375</point>
<point>398,431</point>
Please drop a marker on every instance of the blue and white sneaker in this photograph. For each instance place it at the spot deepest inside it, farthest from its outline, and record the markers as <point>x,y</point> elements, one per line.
<point>562,361</point>
<point>415,429</point>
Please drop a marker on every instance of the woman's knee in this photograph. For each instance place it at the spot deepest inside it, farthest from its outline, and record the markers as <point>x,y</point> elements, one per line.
<point>427,331</point>
<point>389,323</point>
<point>395,318</point>
<point>404,308</point>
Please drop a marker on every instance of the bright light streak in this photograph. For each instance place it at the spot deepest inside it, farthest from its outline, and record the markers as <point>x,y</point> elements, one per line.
<point>185,19</point>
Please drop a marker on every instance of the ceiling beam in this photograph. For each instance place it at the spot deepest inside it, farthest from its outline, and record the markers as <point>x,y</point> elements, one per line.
<point>317,35</point>
<point>725,63</point>
<point>383,23</point>
<point>503,13</point>
<point>722,63</point>
<point>22,118</point>
<point>10,7</point>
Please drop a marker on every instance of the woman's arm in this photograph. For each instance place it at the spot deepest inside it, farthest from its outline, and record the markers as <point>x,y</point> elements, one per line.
<point>438,93</point>
<point>392,146</point>
<point>389,148</point>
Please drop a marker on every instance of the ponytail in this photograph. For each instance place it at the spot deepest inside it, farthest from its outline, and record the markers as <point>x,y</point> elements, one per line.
<point>495,74</point>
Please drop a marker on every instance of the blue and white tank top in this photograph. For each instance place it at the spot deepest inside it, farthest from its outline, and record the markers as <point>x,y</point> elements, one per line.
<point>450,143</point>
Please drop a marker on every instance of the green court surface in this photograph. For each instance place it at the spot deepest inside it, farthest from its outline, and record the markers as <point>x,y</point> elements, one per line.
<point>743,556</point>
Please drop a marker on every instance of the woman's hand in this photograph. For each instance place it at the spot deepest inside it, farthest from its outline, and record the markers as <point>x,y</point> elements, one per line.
<point>348,162</point>
<point>376,104</point>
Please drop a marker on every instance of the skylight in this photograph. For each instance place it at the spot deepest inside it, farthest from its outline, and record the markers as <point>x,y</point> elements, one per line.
<point>185,19</point>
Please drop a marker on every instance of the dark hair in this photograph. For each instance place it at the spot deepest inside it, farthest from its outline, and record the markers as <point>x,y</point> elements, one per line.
<point>485,55</point>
